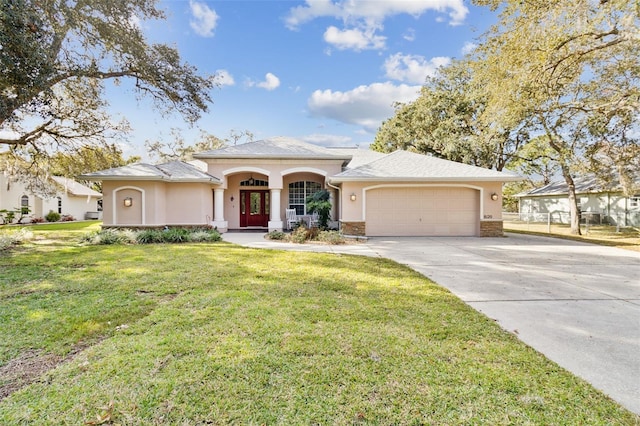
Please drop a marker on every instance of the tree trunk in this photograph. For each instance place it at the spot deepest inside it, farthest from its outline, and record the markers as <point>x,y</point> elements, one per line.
<point>573,202</point>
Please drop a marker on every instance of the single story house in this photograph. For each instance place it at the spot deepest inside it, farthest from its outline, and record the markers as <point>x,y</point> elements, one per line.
<point>251,185</point>
<point>598,202</point>
<point>69,198</point>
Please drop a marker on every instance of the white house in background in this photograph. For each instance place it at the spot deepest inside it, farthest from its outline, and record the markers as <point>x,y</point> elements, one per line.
<point>71,198</point>
<point>597,202</point>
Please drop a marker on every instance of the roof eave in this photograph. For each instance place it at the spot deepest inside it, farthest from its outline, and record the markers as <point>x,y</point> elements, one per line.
<point>271,157</point>
<point>423,179</point>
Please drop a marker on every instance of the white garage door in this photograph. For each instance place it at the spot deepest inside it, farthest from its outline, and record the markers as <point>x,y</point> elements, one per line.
<point>427,211</point>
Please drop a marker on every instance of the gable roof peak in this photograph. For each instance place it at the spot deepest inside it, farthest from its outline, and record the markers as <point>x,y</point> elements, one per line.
<point>275,147</point>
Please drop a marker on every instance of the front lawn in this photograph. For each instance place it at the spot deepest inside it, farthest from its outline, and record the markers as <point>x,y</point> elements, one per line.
<point>217,334</point>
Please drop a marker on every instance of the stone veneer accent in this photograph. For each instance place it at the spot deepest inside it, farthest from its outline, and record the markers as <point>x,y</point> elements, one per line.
<point>491,228</point>
<point>352,228</point>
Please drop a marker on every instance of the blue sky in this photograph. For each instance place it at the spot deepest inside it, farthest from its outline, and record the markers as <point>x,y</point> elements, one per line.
<point>324,71</point>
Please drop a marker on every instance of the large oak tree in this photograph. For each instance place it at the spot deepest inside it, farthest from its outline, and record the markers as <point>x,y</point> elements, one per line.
<point>572,68</point>
<point>444,122</point>
<point>55,56</point>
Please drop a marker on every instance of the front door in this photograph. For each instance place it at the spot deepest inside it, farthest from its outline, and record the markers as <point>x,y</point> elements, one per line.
<point>254,208</point>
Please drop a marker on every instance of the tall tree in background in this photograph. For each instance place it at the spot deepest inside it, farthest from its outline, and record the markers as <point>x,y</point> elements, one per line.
<point>88,159</point>
<point>177,147</point>
<point>444,122</point>
<point>54,59</point>
<point>565,65</point>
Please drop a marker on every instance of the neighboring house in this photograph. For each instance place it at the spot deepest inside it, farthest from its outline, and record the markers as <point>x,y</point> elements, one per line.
<point>251,185</point>
<point>598,203</point>
<point>71,198</point>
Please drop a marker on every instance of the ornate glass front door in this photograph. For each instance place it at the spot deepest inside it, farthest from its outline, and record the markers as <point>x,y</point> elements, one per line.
<point>254,208</point>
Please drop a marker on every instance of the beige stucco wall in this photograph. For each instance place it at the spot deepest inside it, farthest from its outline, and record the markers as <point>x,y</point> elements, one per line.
<point>278,173</point>
<point>188,204</point>
<point>157,203</point>
<point>354,210</point>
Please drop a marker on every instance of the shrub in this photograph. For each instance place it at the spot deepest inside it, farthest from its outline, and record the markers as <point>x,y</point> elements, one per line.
<point>204,235</point>
<point>152,236</point>
<point>319,203</point>
<point>149,236</point>
<point>299,235</point>
<point>52,216</point>
<point>37,220</point>
<point>276,235</point>
<point>67,218</point>
<point>115,236</point>
<point>175,235</point>
<point>331,237</point>
<point>9,239</point>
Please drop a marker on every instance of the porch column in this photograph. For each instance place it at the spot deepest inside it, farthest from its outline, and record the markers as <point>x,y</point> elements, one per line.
<point>218,211</point>
<point>275,222</point>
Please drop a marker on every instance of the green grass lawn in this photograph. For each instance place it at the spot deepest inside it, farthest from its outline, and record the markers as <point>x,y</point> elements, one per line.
<point>217,334</point>
<point>606,235</point>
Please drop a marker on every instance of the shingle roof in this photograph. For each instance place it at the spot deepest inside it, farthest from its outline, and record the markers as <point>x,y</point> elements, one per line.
<point>408,166</point>
<point>584,185</point>
<point>278,147</point>
<point>75,188</point>
<point>173,171</point>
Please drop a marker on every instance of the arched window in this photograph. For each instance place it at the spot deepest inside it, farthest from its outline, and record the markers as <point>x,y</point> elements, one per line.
<point>24,204</point>
<point>254,182</point>
<point>298,193</point>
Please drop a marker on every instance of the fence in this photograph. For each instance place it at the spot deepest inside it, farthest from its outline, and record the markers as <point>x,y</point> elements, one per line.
<point>540,222</point>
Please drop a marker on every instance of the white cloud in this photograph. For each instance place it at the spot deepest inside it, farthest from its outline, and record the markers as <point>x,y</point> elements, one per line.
<point>225,78</point>
<point>412,68</point>
<point>365,106</point>
<point>468,48</point>
<point>271,82</point>
<point>355,39</point>
<point>410,34</point>
<point>205,19</point>
<point>373,12</point>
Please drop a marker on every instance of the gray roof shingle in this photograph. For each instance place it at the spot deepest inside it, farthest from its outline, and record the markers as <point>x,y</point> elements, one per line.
<point>409,166</point>
<point>75,188</point>
<point>278,147</point>
<point>173,171</point>
<point>584,185</point>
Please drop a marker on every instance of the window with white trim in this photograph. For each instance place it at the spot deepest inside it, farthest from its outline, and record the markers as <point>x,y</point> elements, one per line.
<point>298,193</point>
<point>634,201</point>
<point>24,204</point>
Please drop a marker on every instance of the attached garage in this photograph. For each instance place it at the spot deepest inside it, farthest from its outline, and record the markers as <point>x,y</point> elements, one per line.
<point>422,211</point>
<point>409,194</point>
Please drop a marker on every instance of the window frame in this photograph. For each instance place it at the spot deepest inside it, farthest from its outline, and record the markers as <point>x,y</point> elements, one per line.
<point>299,191</point>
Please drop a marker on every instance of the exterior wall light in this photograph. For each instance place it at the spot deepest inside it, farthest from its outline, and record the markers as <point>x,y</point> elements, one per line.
<point>231,198</point>
<point>494,196</point>
<point>128,202</point>
<point>353,196</point>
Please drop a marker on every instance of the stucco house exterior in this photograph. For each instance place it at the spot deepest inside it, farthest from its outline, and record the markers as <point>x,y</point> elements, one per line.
<point>251,185</point>
<point>69,198</point>
<point>598,203</point>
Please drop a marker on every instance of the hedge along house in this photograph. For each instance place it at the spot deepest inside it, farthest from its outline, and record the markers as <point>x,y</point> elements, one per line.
<point>250,186</point>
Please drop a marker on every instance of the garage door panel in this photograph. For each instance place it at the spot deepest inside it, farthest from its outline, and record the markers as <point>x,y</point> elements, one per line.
<point>409,211</point>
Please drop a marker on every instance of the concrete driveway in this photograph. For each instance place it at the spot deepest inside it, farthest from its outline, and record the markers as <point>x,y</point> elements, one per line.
<point>578,304</point>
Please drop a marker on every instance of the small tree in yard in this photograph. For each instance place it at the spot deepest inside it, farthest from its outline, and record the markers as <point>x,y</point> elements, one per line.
<point>319,202</point>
